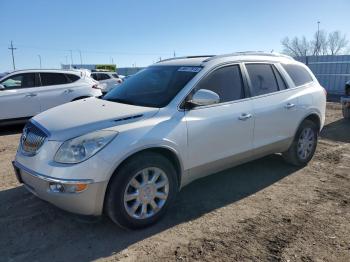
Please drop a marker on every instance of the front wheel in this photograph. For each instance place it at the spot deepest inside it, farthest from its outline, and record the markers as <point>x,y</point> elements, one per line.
<point>141,191</point>
<point>304,144</point>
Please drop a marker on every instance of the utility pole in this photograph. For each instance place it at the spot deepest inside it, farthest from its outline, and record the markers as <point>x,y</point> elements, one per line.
<point>39,60</point>
<point>13,57</point>
<point>71,58</point>
<point>174,54</point>
<point>318,38</point>
<point>81,59</point>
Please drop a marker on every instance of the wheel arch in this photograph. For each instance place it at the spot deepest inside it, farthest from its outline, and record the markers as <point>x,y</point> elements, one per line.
<point>166,151</point>
<point>314,117</point>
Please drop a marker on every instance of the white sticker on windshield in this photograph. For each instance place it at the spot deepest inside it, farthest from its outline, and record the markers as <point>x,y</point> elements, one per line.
<point>189,69</point>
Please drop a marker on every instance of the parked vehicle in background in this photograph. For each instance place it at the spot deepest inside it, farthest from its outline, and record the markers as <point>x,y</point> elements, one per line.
<point>107,80</point>
<point>3,74</point>
<point>26,93</point>
<point>174,122</point>
<point>345,101</point>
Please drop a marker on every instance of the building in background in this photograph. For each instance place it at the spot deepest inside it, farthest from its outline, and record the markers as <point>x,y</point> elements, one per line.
<point>332,71</point>
<point>110,67</point>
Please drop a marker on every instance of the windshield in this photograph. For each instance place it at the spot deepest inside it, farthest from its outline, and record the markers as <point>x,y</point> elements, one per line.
<point>154,86</point>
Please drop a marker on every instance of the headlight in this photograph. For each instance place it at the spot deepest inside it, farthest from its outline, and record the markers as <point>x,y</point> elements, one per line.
<point>79,149</point>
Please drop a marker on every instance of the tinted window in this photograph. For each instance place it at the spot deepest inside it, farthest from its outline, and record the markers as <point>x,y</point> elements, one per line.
<point>262,79</point>
<point>94,76</point>
<point>298,74</point>
<point>115,76</point>
<point>104,77</point>
<point>72,78</point>
<point>49,79</point>
<point>226,82</point>
<point>19,81</point>
<point>154,86</point>
<point>280,81</point>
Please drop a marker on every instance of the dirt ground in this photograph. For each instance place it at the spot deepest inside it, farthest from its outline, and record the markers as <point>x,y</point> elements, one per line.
<point>265,210</point>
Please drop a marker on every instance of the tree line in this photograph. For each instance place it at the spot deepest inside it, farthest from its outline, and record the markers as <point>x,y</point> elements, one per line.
<point>322,43</point>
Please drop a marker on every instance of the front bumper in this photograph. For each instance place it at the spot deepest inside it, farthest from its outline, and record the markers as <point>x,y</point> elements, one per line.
<point>88,202</point>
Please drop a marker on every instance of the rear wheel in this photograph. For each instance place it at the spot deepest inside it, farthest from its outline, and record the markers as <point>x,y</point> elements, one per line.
<point>141,191</point>
<point>304,144</point>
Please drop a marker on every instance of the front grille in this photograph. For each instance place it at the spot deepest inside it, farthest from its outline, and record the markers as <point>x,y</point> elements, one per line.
<point>32,139</point>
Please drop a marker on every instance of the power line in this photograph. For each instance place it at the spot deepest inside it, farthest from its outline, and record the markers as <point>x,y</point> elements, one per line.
<point>13,57</point>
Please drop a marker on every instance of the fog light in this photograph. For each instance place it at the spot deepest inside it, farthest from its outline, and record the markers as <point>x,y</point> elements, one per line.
<point>67,188</point>
<point>56,187</point>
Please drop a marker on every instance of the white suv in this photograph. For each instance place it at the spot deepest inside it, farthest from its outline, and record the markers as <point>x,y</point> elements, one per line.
<point>107,80</point>
<point>26,93</point>
<point>174,122</point>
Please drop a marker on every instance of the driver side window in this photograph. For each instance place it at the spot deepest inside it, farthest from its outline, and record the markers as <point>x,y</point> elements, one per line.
<point>226,82</point>
<point>19,81</point>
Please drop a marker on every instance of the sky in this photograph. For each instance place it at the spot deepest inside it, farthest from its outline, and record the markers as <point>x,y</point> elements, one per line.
<point>140,32</point>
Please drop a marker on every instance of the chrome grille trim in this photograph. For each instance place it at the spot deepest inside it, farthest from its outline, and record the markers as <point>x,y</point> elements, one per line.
<point>32,139</point>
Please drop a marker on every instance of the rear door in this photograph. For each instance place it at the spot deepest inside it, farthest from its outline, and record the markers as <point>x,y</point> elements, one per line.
<point>56,89</point>
<point>20,97</point>
<point>276,108</point>
<point>220,134</point>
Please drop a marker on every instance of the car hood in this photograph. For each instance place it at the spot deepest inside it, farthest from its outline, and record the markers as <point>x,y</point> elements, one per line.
<point>87,115</point>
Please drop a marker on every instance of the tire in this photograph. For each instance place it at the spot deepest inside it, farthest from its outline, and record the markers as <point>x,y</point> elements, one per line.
<point>123,185</point>
<point>295,155</point>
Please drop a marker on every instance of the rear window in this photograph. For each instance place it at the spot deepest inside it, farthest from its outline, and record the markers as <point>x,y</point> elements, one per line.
<point>49,79</point>
<point>72,78</point>
<point>298,74</point>
<point>115,76</point>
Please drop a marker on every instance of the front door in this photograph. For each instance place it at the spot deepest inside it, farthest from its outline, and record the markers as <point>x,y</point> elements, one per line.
<point>19,99</point>
<point>220,135</point>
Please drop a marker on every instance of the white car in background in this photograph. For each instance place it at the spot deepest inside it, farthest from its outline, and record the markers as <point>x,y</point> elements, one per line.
<point>107,80</point>
<point>26,93</point>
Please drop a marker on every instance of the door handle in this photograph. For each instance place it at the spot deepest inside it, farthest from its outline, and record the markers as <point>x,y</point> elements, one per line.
<point>289,105</point>
<point>67,91</point>
<point>244,116</point>
<point>30,95</point>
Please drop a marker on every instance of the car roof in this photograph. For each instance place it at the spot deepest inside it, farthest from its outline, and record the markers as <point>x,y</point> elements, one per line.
<point>65,71</point>
<point>234,57</point>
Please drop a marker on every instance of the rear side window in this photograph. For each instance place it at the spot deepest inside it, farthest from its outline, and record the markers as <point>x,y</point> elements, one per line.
<point>226,82</point>
<point>94,76</point>
<point>104,77</point>
<point>72,78</point>
<point>298,74</point>
<point>49,79</point>
<point>115,76</point>
<point>262,79</point>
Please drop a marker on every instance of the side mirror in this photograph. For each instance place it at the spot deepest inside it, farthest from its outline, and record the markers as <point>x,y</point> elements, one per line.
<point>2,87</point>
<point>204,97</point>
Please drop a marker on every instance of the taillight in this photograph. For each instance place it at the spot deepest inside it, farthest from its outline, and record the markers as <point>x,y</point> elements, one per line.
<point>119,81</point>
<point>96,87</point>
<point>325,91</point>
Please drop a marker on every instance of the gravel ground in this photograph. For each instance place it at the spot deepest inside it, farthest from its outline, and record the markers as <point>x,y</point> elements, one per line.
<point>265,210</point>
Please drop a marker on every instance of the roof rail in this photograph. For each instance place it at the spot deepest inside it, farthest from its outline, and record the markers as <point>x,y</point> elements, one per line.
<point>256,53</point>
<point>184,57</point>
